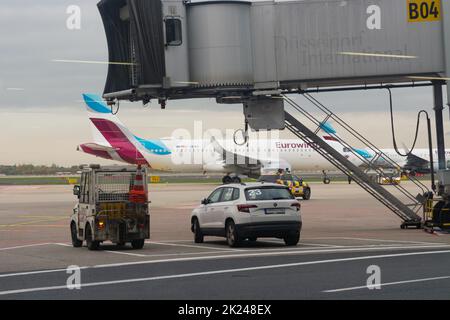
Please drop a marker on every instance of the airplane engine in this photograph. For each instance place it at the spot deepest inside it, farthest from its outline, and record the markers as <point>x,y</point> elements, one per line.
<point>213,167</point>
<point>275,165</point>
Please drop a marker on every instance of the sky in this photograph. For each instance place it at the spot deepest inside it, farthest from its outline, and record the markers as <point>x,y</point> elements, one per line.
<point>43,119</point>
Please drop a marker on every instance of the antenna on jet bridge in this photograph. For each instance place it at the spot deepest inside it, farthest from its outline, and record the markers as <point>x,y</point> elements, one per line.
<point>112,103</point>
<point>244,135</point>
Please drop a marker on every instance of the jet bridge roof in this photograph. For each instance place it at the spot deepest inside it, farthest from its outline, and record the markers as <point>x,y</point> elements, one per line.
<point>173,49</point>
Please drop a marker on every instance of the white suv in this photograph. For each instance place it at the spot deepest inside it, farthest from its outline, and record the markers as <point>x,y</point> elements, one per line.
<point>248,211</point>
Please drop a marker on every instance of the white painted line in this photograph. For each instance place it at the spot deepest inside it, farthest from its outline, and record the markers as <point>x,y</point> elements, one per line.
<point>375,240</point>
<point>320,245</point>
<point>125,253</point>
<point>180,254</point>
<point>268,250</point>
<point>63,244</point>
<point>196,274</point>
<point>26,246</point>
<point>109,251</point>
<point>388,284</point>
<point>303,243</point>
<point>26,273</point>
<point>342,248</point>
<point>191,246</point>
<point>395,241</point>
<point>277,241</point>
<point>264,254</point>
<point>236,255</point>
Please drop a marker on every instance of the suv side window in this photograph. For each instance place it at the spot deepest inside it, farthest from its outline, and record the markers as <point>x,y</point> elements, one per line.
<point>227,194</point>
<point>215,196</point>
<point>236,194</point>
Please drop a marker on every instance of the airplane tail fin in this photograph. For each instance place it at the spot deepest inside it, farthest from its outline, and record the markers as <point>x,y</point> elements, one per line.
<point>95,104</point>
<point>102,120</point>
<point>329,134</point>
<point>111,137</point>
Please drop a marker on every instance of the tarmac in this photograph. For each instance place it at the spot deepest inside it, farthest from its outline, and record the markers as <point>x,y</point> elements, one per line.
<point>345,231</point>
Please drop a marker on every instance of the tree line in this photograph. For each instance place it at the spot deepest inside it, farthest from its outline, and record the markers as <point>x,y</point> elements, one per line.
<point>29,169</point>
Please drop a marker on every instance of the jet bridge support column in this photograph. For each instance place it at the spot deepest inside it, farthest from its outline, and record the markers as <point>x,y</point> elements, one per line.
<point>438,108</point>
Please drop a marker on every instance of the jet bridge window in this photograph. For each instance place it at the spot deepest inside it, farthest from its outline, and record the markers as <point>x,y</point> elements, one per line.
<point>173,32</point>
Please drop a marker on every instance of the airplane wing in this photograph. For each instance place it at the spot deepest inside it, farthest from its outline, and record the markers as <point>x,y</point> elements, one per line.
<point>251,166</point>
<point>233,161</point>
<point>413,161</point>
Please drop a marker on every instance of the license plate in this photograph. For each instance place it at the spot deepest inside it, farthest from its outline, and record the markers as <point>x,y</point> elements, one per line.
<point>275,211</point>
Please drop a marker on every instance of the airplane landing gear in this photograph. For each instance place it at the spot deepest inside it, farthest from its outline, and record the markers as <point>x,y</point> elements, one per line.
<point>227,179</point>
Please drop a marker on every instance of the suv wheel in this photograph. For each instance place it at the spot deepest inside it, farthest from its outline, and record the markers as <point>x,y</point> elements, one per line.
<point>232,235</point>
<point>73,231</point>
<point>91,244</point>
<point>198,235</point>
<point>292,239</point>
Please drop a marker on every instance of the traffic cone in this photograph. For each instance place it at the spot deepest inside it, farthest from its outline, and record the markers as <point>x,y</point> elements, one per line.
<point>137,192</point>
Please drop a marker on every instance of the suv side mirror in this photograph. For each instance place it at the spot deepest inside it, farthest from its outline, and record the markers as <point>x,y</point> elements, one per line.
<point>76,191</point>
<point>205,201</point>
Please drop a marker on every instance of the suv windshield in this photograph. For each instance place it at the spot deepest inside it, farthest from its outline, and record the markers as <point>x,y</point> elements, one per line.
<point>268,193</point>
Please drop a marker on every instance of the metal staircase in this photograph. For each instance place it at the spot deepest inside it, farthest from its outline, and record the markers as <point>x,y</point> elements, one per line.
<point>410,212</point>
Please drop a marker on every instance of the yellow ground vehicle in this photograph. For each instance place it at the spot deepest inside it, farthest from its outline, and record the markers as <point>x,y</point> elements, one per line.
<point>298,187</point>
<point>390,180</point>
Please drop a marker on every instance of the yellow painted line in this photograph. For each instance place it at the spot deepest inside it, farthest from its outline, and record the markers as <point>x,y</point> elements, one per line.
<point>42,217</point>
<point>38,225</point>
<point>29,222</point>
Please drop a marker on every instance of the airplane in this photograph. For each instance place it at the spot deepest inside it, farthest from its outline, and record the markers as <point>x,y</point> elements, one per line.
<point>114,141</point>
<point>416,162</point>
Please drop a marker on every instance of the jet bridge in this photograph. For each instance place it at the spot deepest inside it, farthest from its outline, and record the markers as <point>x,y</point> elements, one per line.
<point>177,49</point>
